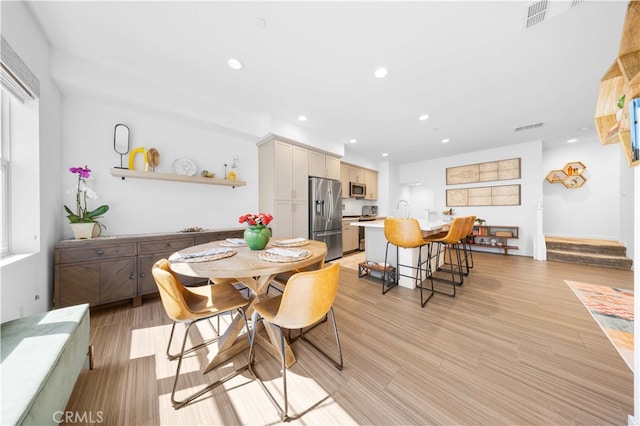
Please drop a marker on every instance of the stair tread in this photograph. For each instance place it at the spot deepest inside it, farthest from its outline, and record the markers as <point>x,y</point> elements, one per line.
<point>594,255</point>
<point>587,241</point>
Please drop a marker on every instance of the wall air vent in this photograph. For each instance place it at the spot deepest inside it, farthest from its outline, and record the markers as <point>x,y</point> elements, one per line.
<point>529,127</point>
<point>536,13</point>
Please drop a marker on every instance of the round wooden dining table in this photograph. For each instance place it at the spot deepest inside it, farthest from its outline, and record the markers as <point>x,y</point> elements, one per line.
<point>247,267</point>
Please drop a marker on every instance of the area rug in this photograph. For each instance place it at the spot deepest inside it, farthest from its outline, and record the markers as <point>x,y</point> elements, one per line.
<point>612,308</point>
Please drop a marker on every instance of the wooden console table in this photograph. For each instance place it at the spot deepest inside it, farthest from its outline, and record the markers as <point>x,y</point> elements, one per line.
<point>110,269</point>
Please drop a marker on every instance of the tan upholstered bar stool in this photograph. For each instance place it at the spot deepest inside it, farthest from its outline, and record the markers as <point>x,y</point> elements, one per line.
<point>450,243</point>
<point>468,254</point>
<point>406,233</point>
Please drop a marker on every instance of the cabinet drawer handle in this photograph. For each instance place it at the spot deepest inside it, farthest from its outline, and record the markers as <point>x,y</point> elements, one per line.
<point>141,274</point>
<point>131,276</point>
<point>168,245</point>
<point>99,252</point>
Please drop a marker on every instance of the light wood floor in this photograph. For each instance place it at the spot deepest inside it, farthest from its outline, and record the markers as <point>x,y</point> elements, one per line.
<point>515,346</point>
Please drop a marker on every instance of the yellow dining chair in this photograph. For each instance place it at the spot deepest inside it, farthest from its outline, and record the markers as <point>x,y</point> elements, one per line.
<point>307,298</point>
<point>406,233</point>
<point>189,305</point>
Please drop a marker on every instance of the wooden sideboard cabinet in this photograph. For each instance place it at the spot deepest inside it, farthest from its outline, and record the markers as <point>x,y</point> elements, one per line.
<point>109,269</point>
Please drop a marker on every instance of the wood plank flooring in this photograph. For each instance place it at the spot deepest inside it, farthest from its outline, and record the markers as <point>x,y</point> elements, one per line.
<point>515,346</point>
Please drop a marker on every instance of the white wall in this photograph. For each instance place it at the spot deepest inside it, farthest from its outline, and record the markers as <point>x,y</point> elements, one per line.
<point>431,194</point>
<point>27,283</point>
<point>147,206</point>
<point>593,210</point>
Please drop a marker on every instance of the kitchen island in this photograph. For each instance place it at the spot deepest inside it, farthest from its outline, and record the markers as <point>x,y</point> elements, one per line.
<point>376,243</point>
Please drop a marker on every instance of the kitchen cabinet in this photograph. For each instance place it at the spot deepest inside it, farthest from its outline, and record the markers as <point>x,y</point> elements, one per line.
<point>356,174</point>
<point>110,269</point>
<point>344,179</point>
<point>350,173</point>
<point>325,166</point>
<point>283,179</point>
<point>350,236</point>
<point>371,180</point>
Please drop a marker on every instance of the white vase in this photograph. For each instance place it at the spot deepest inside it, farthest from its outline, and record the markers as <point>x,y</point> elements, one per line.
<point>85,230</point>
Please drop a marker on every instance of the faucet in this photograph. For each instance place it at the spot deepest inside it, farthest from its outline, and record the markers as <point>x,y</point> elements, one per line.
<point>406,204</point>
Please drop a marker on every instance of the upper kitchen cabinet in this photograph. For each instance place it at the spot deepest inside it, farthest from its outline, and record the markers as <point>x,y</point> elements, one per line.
<point>283,186</point>
<point>371,181</point>
<point>325,166</point>
<point>344,179</point>
<point>350,173</point>
<point>356,174</point>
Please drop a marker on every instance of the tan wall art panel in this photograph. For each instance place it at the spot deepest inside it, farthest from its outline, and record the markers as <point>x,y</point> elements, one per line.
<point>484,172</point>
<point>505,195</point>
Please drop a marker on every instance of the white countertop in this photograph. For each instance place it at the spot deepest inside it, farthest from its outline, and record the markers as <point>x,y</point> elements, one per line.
<point>424,225</point>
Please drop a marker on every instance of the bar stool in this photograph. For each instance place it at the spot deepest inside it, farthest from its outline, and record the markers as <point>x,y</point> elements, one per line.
<point>468,254</point>
<point>451,243</point>
<point>405,233</point>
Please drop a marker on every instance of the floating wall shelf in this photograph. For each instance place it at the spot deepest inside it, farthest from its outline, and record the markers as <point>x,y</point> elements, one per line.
<point>621,78</point>
<point>570,175</point>
<point>136,174</point>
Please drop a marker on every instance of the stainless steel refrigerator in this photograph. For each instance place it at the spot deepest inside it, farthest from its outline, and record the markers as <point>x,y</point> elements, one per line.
<point>325,214</point>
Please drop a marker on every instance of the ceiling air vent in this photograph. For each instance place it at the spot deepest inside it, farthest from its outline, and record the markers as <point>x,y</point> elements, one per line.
<point>536,13</point>
<point>528,127</point>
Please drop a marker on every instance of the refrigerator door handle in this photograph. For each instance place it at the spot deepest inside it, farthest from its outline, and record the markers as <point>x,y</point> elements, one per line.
<point>327,233</point>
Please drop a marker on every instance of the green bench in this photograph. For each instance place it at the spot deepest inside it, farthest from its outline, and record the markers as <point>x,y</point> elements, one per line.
<point>42,356</point>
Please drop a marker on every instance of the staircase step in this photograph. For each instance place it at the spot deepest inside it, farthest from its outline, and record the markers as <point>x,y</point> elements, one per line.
<point>603,260</point>
<point>583,245</point>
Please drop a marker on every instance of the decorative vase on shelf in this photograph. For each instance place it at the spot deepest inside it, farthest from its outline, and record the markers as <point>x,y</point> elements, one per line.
<point>257,236</point>
<point>85,231</point>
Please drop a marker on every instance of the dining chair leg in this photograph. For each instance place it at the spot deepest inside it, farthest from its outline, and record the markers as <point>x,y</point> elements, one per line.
<point>171,356</point>
<point>337,364</point>
<point>255,318</point>
<point>179,404</point>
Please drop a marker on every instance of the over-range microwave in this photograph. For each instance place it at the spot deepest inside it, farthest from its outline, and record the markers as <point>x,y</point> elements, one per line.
<point>357,190</point>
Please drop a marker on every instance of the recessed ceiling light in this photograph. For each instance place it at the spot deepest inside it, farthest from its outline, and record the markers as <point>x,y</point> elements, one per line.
<point>235,64</point>
<point>572,140</point>
<point>353,140</point>
<point>302,118</point>
<point>381,72</point>
<point>423,117</point>
<point>444,140</point>
<point>384,154</point>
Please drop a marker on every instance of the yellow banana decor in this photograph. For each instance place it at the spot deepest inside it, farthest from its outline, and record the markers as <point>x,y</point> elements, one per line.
<point>132,157</point>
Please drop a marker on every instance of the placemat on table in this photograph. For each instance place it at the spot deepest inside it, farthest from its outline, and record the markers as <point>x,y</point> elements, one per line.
<point>233,242</point>
<point>280,255</point>
<point>293,242</point>
<point>204,256</point>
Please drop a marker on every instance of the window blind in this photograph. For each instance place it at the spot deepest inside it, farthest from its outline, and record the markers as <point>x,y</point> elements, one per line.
<point>15,75</point>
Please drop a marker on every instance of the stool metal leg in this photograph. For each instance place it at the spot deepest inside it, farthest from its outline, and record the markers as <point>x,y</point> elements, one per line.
<point>385,286</point>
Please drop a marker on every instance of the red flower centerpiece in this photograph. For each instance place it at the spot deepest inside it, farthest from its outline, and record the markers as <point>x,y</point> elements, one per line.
<point>257,234</point>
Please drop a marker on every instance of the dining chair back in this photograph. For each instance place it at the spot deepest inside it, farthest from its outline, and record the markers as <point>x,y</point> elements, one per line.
<point>307,299</point>
<point>406,233</point>
<point>190,305</point>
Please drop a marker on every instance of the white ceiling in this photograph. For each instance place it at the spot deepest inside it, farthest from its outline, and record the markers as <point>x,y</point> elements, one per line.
<point>471,66</point>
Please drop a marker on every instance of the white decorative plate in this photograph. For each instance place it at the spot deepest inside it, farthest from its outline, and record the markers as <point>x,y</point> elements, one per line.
<point>184,166</point>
